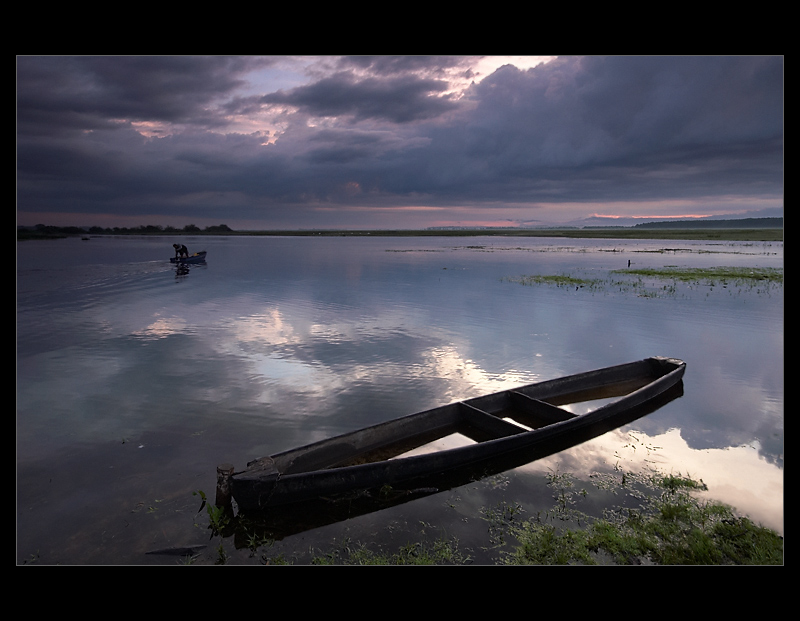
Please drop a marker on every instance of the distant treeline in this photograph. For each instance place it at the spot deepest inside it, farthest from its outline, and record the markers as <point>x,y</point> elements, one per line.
<point>41,231</point>
<point>765,229</point>
<point>744,223</point>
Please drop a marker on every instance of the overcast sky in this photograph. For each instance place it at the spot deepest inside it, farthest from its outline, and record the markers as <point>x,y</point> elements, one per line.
<point>395,142</point>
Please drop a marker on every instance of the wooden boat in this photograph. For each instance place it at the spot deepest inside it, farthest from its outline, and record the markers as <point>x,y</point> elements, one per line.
<point>525,422</point>
<point>197,257</point>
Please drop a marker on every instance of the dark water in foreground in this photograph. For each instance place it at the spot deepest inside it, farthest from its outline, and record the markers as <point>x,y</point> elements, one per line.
<point>134,379</point>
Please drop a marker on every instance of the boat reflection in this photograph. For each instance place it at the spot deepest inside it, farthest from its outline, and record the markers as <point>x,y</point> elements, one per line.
<point>181,269</point>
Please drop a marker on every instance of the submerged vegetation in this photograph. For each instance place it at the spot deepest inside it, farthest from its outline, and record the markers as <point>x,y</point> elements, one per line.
<point>438,552</point>
<point>664,522</point>
<point>557,280</point>
<point>656,519</point>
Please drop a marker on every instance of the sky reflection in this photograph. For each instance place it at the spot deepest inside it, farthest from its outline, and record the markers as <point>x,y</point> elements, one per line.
<point>737,475</point>
<point>322,336</point>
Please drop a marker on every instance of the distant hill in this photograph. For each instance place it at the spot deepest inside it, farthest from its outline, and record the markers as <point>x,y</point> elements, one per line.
<point>742,223</point>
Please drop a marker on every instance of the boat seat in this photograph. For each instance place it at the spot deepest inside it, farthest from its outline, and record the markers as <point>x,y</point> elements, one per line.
<point>487,423</point>
<point>535,413</point>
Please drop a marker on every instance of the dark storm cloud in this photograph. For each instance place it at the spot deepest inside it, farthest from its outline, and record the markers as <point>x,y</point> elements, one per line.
<point>395,99</point>
<point>440,67</point>
<point>62,93</point>
<point>390,131</point>
<point>638,122</point>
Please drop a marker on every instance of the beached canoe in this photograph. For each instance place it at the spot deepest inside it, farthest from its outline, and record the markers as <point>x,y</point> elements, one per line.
<point>526,422</point>
<point>197,257</point>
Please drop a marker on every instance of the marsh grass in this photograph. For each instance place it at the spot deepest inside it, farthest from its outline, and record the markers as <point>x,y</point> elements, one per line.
<point>663,281</point>
<point>438,552</point>
<point>651,518</point>
<point>557,280</point>
<point>662,521</point>
<point>710,275</point>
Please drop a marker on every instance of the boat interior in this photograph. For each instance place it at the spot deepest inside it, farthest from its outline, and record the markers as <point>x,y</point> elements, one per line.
<point>474,420</point>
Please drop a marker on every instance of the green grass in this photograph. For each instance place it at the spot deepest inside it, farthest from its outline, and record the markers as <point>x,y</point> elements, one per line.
<point>558,280</point>
<point>640,281</point>
<point>669,524</point>
<point>438,552</point>
<point>710,275</point>
<point>654,519</point>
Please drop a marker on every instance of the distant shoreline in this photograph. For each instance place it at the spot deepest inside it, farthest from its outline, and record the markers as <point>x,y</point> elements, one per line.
<point>755,234</point>
<point>723,230</point>
<point>698,234</point>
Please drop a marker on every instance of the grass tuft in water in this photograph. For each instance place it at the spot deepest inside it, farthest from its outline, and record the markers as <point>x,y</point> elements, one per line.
<point>664,281</point>
<point>710,275</point>
<point>558,280</point>
<point>670,526</point>
<point>438,552</point>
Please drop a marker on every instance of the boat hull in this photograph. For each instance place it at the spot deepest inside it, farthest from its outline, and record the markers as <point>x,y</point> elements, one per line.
<point>518,426</point>
<point>197,257</point>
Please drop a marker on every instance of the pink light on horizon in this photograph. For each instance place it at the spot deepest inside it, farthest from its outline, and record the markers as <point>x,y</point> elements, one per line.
<point>654,217</point>
<point>476,223</point>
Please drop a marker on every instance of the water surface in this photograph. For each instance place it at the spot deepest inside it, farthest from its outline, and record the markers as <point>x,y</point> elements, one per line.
<point>136,378</point>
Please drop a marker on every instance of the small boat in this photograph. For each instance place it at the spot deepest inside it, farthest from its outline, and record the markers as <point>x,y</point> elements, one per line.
<point>526,423</point>
<point>197,257</point>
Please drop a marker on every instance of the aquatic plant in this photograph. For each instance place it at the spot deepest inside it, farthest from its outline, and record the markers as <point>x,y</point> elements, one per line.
<point>664,281</point>
<point>219,518</point>
<point>439,552</point>
<point>710,275</point>
<point>655,519</point>
<point>558,280</point>
<point>670,525</point>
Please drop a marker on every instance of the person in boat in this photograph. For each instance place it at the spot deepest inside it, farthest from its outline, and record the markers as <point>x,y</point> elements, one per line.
<point>180,250</point>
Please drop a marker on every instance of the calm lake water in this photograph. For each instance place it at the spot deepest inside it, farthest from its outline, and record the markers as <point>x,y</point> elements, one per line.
<point>135,379</point>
